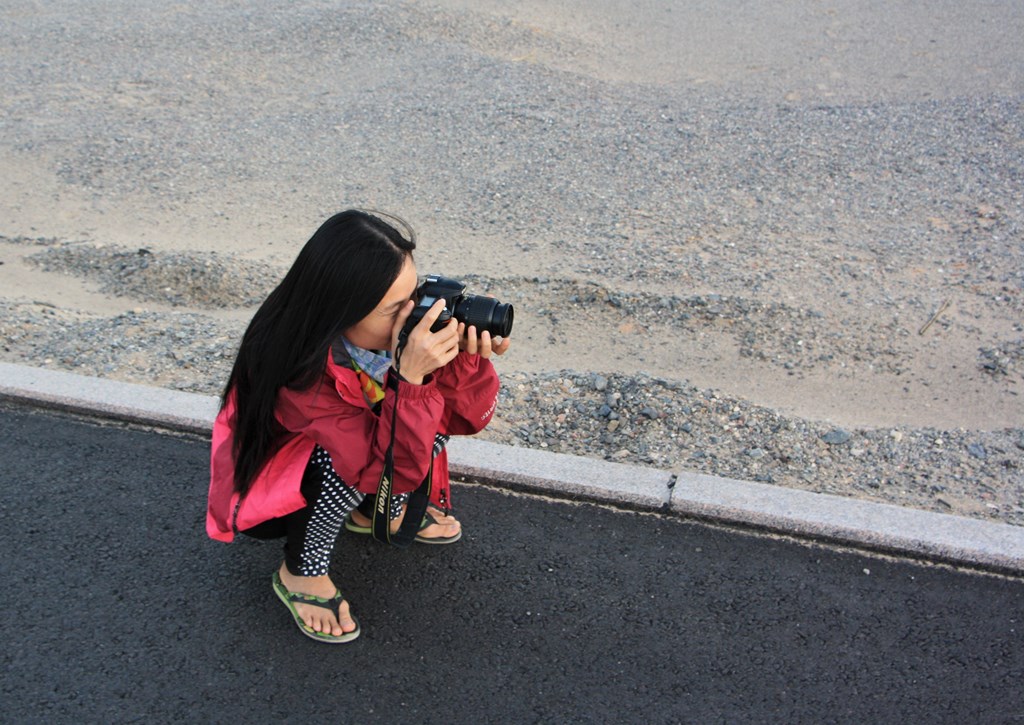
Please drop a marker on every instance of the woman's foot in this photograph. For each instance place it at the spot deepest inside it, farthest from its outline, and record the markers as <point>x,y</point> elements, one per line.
<point>318,619</point>
<point>445,526</point>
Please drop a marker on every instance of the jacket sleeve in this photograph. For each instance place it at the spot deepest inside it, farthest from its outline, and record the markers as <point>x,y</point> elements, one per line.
<point>469,386</point>
<point>357,439</point>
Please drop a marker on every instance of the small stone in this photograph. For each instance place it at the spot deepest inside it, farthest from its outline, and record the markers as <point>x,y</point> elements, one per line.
<point>755,453</point>
<point>986,211</point>
<point>600,383</point>
<point>613,425</point>
<point>650,412</point>
<point>896,435</point>
<point>977,450</point>
<point>837,436</point>
<point>604,411</point>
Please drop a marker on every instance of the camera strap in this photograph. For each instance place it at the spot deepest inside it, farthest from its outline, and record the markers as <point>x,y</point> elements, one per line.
<point>416,506</point>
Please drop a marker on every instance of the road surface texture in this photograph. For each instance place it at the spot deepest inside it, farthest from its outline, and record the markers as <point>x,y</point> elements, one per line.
<point>121,610</point>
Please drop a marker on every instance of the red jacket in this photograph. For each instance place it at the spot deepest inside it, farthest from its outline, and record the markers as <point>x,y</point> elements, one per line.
<point>458,399</point>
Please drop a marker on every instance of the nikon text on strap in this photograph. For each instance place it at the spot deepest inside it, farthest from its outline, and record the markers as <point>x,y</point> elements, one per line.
<point>416,507</point>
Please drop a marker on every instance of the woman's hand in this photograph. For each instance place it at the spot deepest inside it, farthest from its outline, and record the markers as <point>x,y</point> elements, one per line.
<point>484,346</point>
<point>424,351</point>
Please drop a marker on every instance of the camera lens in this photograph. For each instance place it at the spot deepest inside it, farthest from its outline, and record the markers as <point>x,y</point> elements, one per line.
<point>486,313</point>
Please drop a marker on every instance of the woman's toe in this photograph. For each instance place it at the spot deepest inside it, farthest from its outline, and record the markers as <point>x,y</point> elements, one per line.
<point>347,624</point>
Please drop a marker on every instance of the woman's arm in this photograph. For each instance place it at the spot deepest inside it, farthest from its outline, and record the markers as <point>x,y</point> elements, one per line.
<point>469,386</point>
<point>357,439</point>
<point>469,383</point>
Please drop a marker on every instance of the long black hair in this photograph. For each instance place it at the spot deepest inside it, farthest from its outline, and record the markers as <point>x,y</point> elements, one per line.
<point>339,277</point>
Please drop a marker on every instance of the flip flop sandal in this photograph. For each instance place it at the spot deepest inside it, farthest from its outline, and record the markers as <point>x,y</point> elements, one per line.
<point>428,520</point>
<point>333,604</point>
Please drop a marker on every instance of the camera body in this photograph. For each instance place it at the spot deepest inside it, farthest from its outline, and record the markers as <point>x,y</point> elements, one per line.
<point>486,313</point>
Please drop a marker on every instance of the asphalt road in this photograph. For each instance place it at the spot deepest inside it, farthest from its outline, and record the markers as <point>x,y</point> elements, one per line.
<point>121,610</point>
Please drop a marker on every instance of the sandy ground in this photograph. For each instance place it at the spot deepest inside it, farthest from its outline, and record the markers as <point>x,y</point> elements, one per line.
<point>86,159</point>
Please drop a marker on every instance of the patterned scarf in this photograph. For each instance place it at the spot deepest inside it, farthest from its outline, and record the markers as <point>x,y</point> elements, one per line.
<point>370,367</point>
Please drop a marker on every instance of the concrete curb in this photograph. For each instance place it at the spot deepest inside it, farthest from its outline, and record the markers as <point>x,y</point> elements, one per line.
<point>145,404</point>
<point>880,527</point>
<point>864,524</point>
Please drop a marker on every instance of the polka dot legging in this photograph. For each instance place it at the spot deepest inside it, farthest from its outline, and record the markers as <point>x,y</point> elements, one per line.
<point>311,532</point>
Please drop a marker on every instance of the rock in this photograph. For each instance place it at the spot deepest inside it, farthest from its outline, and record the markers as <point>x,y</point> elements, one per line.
<point>986,211</point>
<point>837,436</point>
<point>977,450</point>
<point>600,383</point>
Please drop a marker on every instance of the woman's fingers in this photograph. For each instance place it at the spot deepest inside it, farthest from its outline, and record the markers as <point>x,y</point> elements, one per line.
<point>471,341</point>
<point>485,344</point>
<point>500,345</point>
<point>431,315</point>
<point>400,319</point>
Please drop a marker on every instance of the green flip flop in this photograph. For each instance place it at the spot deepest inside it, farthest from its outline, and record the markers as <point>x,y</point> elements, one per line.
<point>355,528</point>
<point>427,521</point>
<point>333,604</point>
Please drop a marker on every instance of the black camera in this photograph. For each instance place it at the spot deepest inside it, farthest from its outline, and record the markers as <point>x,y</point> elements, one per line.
<point>486,313</point>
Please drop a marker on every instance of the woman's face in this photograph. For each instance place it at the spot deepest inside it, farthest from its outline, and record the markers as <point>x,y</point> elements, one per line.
<point>373,332</point>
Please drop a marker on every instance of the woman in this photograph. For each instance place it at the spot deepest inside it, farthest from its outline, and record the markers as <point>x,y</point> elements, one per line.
<point>306,415</point>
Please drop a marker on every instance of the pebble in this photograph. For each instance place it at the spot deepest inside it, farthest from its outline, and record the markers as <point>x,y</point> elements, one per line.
<point>836,436</point>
